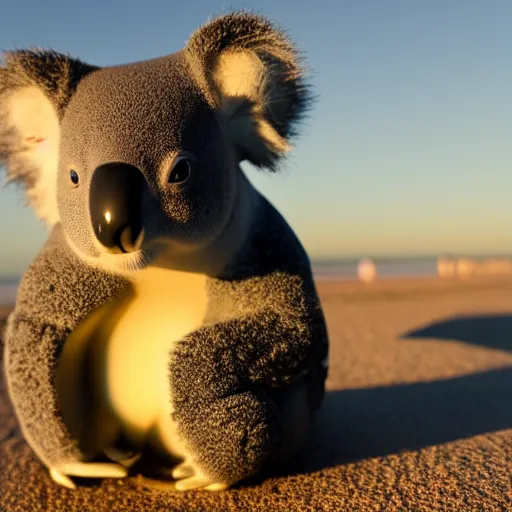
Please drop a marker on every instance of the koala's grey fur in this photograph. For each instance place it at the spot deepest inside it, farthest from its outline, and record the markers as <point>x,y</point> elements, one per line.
<point>246,384</point>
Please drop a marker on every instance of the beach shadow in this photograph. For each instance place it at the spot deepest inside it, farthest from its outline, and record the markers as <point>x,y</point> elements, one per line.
<point>490,331</point>
<point>374,422</point>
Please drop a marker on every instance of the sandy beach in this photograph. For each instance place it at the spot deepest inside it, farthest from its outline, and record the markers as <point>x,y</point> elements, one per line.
<point>417,417</point>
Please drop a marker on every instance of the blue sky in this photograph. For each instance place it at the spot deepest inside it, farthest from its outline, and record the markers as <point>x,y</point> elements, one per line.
<point>408,150</point>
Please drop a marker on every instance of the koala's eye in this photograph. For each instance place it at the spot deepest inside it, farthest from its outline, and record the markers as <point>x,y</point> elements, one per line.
<point>181,170</point>
<point>73,176</point>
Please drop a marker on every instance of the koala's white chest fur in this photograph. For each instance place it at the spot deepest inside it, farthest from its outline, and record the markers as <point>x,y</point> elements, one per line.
<point>166,306</point>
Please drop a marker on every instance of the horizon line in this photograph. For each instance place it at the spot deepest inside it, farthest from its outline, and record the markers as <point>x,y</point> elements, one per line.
<point>13,279</point>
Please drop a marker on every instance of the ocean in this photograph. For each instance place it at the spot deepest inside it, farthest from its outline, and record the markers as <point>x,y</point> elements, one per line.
<point>386,268</point>
<point>323,270</point>
<point>8,294</point>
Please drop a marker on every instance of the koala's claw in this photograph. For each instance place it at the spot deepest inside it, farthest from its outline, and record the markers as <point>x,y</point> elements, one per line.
<point>188,479</point>
<point>86,470</point>
<point>199,482</point>
<point>61,479</point>
<point>183,470</point>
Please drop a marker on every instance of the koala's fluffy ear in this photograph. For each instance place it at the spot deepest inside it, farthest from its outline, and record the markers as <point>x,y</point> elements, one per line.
<point>35,87</point>
<point>252,73</point>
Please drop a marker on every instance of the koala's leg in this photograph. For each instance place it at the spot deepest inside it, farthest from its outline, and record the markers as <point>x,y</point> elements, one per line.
<point>227,440</point>
<point>241,434</point>
<point>242,395</point>
<point>220,443</point>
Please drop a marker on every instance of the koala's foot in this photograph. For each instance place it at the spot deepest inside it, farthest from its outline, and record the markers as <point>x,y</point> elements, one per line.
<point>189,477</point>
<point>185,477</point>
<point>61,473</point>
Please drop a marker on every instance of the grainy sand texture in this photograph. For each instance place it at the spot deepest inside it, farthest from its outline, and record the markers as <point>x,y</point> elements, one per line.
<point>418,416</point>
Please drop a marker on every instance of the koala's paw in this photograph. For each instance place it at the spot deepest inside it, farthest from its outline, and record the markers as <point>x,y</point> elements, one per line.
<point>61,473</point>
<point>189,477</point>
<point>185,477</point>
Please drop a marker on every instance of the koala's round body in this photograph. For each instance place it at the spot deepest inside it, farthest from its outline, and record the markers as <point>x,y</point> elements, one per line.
<point>172,308</point>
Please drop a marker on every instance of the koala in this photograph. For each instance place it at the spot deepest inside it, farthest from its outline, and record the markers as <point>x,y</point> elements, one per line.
<point>172,315</point>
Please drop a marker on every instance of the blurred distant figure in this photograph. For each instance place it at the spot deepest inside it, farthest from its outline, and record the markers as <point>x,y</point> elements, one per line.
<point>496,267</point>
<point>465,268</point>
<point>366,271</point>
<point>446,267</point>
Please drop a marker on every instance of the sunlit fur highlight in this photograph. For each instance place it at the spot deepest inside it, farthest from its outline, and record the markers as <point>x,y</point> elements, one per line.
<point>33,155</point>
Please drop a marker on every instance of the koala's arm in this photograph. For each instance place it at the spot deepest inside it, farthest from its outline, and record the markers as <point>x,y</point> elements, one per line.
<point>56,293</point>
<point>269,348</point>
<point>32,351</point>
<point>232,378</point>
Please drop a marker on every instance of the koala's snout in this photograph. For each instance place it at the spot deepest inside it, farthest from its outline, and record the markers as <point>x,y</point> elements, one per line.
<point>116,206</point>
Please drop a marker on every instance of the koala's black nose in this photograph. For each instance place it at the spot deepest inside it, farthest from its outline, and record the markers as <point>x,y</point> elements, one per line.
<point>115,206</point>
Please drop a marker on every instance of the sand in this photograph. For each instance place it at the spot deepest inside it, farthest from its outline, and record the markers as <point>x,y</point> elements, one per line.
<point>418,415</point>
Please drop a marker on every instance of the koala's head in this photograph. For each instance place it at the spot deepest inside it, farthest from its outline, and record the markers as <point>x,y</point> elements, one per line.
<point>134,158</point>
